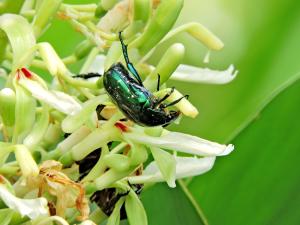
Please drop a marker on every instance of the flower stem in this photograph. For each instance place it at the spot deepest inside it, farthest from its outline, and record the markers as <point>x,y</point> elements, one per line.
<point>193,202</point>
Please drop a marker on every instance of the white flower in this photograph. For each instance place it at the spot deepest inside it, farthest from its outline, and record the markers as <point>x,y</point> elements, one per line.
<point>32,208</point>
<point>56,99</point>
<point>185,73</point>
<point>204,75</point>
<point>185,167</point>
<point>182,143</point>
<point>98,64</point>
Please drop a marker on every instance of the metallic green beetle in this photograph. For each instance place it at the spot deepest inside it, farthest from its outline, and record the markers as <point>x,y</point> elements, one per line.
<point>135,101</point>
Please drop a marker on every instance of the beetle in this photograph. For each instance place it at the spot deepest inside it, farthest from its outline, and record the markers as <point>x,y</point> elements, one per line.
<point>135,101</point>
<point>129,94</point>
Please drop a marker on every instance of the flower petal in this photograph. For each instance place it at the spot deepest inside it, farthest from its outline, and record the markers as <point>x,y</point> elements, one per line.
<point>32,208</point>
<point>204,75</point>
<point>58,100</point>
<point>185,167</point>
<point>98,64</point>
<point>166,164</point>
<point>182,143</point>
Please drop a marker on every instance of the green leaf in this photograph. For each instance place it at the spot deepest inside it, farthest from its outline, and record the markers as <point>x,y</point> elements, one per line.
<point>6,216</point>
<point>259,182</point>
<point>135,210</point>
<point>167,206</point>
<point>262,42</point>
<point>114,218</point>
<point>264,49</point>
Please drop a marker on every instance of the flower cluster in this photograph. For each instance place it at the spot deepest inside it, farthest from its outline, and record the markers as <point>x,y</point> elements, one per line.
<point>67,153</point>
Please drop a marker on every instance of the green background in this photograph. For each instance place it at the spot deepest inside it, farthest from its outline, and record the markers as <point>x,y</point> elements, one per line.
<point>259,183</point>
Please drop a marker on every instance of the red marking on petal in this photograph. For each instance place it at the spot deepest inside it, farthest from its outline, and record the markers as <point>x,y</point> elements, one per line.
<point>26,72</point>
<point>121,126</point>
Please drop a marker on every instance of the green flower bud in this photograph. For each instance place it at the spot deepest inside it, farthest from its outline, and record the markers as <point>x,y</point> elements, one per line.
<point>141,10</point>
<point>53,134</point>
<point>160,23</point>
<point>117,162</point>
<point>166,66</point>
<point>83,49</point>
<point>111,176</point>
<point>98,138</point>
<point>108,4</point>
<point>46,10</point>
<point>26,162</point>
<point>138,154</point>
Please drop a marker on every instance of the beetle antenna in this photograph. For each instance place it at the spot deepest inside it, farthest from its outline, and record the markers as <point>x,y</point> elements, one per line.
<point>129,65</point>
<point>165,97</point>
<point>176,101</point>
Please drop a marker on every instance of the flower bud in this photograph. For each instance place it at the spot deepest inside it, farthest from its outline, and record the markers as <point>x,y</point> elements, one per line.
<point>46,10</point>
<point>83,49</point>
<point>26,162</point>
<point>117,161</point>
<point>166,66</point>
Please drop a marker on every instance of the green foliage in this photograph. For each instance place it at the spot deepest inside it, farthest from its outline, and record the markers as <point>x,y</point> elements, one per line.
<point>258,184</point>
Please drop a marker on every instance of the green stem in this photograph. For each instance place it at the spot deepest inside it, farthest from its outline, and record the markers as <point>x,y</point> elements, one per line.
<point>193,202</point>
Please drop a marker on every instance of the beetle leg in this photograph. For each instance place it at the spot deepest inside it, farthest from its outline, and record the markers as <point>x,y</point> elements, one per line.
<point>158,82</point>
<point>164,98</point>
<point>88,75</point>
<point>128,63</point>
<point>176,101</point>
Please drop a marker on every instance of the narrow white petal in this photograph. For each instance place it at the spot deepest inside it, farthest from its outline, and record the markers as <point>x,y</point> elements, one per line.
<point>58,100</point>
<point>182,143</point>
<point>32,208</point>
<point>204,75</point>
<point>98,64</point>
<point>185,167</point>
